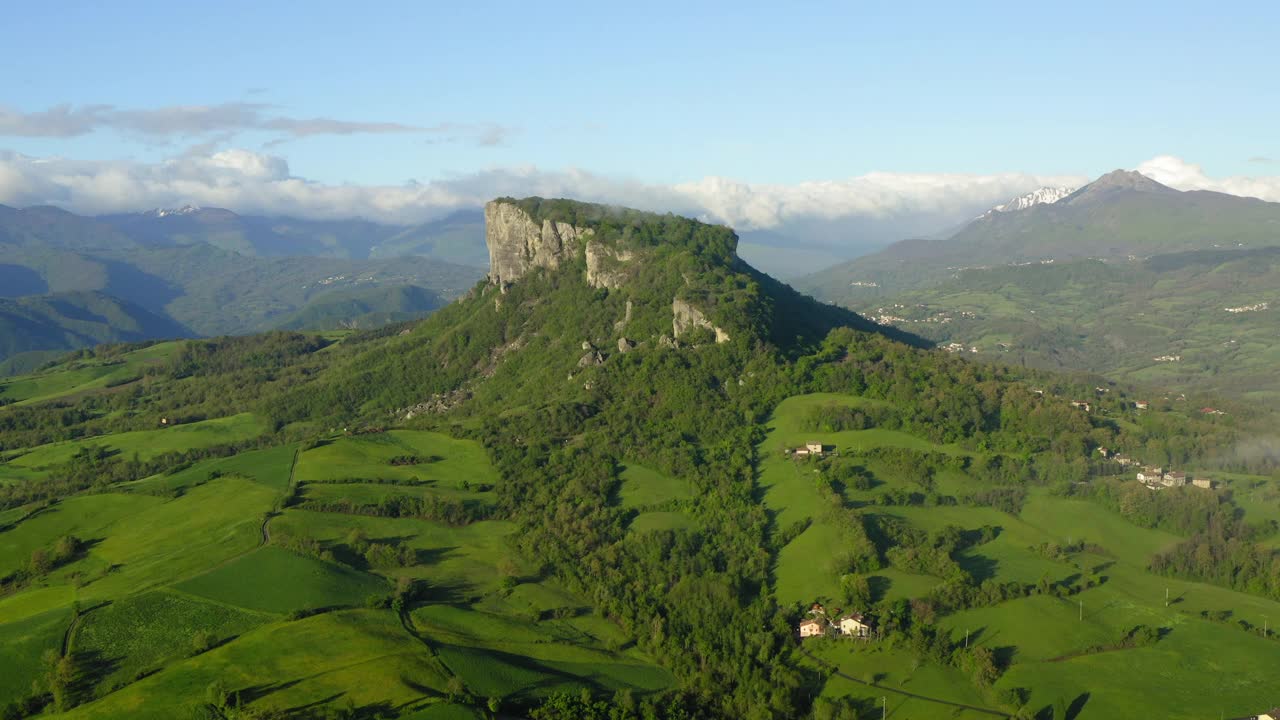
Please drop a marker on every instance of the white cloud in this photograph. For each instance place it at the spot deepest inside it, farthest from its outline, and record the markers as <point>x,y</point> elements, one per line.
<point>223,119</point>
<point>255,182</point>
<point>868,209</point>
<point>1178,173</point>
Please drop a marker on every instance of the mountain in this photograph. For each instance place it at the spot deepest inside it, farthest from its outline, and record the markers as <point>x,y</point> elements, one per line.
<point>1118,216</point>
<point>67,321</point>
<point>362,308</point>
<point>617,479</point>
<point>456,238</point>
<point>1042,196</point>
<point>177,264</point>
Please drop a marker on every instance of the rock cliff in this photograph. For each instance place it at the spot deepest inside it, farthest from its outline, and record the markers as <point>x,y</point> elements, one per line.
<point>518,244</point>
<point>685,317</point>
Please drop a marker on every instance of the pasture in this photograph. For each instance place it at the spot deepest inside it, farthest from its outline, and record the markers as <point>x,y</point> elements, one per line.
<point>275,580</point>
<point>149,443</point>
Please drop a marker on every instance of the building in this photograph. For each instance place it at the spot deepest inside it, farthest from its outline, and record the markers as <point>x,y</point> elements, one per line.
<point>1151,475</point>
<point>1081,405</point>
<point>854,625</point>
<point>1124,460</point>
<point>816,609</point>
<point>1205,483</point>
<point>1175,479</point>
<point>1142,404</point>
<point>814,448</point>
<point>1272,714</point>
<point>1104,452</point>
<point>812,628</point>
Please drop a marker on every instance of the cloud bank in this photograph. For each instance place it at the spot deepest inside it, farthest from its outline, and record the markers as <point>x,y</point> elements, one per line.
<point>1178,173</point>
<point>224,119</point>
<point>877,206</point>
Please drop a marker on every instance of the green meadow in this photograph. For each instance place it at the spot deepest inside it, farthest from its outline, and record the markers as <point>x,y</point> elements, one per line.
<point>150,443</point>
<point>275,580</point>
<point>1044,640</point>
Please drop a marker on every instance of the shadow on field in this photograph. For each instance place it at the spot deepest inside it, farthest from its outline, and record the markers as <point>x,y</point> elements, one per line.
<point>1077,706</point>
<point>980,567</point>
<point>257,692</point>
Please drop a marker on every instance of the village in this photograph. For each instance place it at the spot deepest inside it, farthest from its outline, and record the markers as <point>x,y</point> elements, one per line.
<point>1156,477</point>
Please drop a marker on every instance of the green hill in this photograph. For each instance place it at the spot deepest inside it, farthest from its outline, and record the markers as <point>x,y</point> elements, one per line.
<point>66,321</point>
<point>362,308</point>
<point>575,492</point>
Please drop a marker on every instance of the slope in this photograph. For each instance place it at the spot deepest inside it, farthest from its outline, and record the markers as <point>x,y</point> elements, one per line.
<point>1119,215</point>
<point>67,321</point>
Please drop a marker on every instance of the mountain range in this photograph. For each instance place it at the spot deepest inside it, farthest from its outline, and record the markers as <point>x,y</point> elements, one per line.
<point>1125,277</point>
<point>208,271</point>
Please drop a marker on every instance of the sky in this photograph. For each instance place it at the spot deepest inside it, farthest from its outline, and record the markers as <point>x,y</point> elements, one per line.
<point>756,114</point>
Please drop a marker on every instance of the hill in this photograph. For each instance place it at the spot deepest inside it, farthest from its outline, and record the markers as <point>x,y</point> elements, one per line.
<point>1118,216</point>
<point>1197,322</point>
<point>362,309</point>
<point>575,492</point>
<point>67,321</point>
<point>176,266</point>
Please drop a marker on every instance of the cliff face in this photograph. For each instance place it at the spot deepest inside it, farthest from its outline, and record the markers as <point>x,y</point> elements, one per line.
<point>518,244</point>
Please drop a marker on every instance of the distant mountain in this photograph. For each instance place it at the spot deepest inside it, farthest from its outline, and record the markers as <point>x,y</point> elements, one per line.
<point>66,321</point>
<point>1120,215</point>
<point>362,308</point>
<point>180,265</point>
<point>456,238</point>
<point>1043,196</point>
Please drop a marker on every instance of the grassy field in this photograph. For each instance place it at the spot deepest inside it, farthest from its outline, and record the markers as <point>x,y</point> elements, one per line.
<point>150,443</point>
<point>361,655</point>
<point>270,467</point>
<point>82,375</point>
<point>22,643</point>
<point>457,562</point>
<point>642,487</point>
<point>501,656</point>
<point>368,456</point>
<point>141,633</point>
<point>1044,639</point>
<point>275,580</point>
<point>649,521</point>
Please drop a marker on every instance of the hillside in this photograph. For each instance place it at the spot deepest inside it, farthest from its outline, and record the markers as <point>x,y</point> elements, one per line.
<point>362,309</point>
<point>574,493</point>
<point>159,263</point>
<point>1197,322</point>
<point>67,321</point>
<point>1118,216</point>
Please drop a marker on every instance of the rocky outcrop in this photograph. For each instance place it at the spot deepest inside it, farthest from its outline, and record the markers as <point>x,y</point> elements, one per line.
<point>518,244</point>
<point>606,265</point>
<point>685,317</point>
<point>625,345</point>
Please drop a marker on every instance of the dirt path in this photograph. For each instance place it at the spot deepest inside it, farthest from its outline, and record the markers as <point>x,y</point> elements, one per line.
<point>290,488</point>
<point>926,698</point>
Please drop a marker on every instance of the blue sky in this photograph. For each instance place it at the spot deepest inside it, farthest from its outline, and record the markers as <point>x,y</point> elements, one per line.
<point>674,91</point>
<point>660,93</point>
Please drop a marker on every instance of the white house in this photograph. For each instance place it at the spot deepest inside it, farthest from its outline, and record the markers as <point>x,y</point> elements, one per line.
<point>854,625</point>
<point>812,628</point>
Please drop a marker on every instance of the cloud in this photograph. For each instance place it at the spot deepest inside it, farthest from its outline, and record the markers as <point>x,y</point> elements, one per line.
<point>869,209</point>
<point>1178,173</point>
<point>1263,160</point>
<point>224,119</point>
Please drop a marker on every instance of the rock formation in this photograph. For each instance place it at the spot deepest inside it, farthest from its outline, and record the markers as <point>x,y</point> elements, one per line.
<point>685,317</point>
<point>517,244</point>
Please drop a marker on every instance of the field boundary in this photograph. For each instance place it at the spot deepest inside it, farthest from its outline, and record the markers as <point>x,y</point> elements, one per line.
<point>836,671</point>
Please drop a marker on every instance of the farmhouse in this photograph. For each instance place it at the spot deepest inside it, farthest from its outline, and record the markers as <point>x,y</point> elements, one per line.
<point>1081,405</point>
<point>1151,475</point>
<point>810,449</point>
<point>1203,482</point>
<point>854,625</point>
<point>1124,460</point>
<point>1142,404</point>
<point>1104,452</point>
<point>1175,479</point>
<point>812,628</point>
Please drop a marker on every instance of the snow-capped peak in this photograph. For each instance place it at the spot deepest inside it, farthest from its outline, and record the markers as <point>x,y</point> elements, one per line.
<point>1043,196</point>
<point>166,212</point>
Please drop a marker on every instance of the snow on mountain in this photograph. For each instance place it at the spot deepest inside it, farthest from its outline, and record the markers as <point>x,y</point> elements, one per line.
<point>1043,196</point>
<point>166,212</point>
